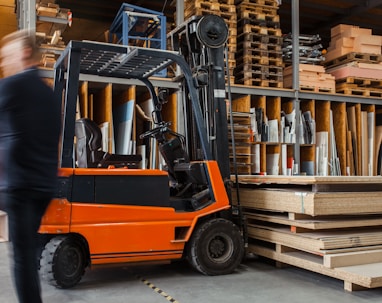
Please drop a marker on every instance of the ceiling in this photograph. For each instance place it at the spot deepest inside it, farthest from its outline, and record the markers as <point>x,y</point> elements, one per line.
<point>91,18</point>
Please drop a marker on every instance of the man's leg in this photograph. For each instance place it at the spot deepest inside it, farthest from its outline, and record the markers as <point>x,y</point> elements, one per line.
<point>25,209</point>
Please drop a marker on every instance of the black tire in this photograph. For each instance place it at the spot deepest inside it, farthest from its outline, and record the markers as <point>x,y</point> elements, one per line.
<point>63,261</point>
<point>216,247</point>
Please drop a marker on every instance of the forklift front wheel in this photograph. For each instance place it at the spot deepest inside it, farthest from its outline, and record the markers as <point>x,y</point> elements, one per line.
<point>63,261</point>
<point>216,247</point>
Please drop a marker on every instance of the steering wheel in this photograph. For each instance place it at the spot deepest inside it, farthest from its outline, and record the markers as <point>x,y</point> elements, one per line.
<point>160,129</point>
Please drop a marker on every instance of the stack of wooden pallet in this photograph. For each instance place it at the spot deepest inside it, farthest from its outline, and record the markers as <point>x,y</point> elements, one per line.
<point>311,78</point>
<point>354,59</point>
<point>259,56</point>
<point>225,9</point>
<point>330,225</point>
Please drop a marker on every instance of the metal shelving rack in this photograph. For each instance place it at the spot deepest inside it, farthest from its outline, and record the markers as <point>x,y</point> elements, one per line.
<point>28,18</point>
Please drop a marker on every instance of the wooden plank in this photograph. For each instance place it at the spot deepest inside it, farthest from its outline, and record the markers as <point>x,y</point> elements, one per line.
<point>316,223</point>
<point>353,258</point>
<point>313,204</point>
<point>305,180</point>
<point>368,276</point>
<point>316,242</point>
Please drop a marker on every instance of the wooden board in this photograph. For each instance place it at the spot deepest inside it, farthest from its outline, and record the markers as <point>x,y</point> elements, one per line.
<point>319,242</point>
<point>367,275</point>
<point>299,180</point>
<point>315,223</point>
<point>314,204</point>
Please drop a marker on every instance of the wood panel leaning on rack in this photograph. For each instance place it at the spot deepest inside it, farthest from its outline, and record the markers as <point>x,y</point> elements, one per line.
<point>335,138</point>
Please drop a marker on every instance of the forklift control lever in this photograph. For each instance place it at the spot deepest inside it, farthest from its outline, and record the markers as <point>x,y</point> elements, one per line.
<point>160,129</point>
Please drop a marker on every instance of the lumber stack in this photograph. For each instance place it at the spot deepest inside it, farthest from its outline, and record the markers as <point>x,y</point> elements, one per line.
<point>312,78</point>
<point>225,9</point>
<point>330,225</point>
<point>354,59</point>
<point>48,32</point>
<point>259,55</point>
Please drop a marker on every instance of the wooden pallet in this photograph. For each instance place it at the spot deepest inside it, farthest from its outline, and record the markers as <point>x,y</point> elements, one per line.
<point>265,69</point>
<point>211,6</point>
<point>347,89</point>
<point>255,37</point>
<point>242,76</point>
<point>355,277</point>
<point>255,52</point>
<point>248,28</point>
<point>271,3</point>
<point>359,57</point>
<point>360,82</point>
<point>264,9</point>
<point>205,5</point>
<point>260,82</point>
<point>229,2</point>
<point>264,60</point>
<point>316,89</point>
<point>260,45</point>
<point>248,16</point>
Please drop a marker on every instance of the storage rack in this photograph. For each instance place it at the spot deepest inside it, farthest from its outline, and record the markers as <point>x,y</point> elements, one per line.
<point>294,94</point>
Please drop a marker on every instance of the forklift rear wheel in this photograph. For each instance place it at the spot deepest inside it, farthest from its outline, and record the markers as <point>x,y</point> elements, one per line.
<point>63,261</point>
<point>216,247</point>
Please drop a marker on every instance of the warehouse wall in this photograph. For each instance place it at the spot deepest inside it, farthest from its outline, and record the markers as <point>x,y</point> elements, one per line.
<point>8,21</point>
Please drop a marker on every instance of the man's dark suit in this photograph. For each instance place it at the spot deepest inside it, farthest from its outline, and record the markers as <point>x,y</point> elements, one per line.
<point>29,134</point>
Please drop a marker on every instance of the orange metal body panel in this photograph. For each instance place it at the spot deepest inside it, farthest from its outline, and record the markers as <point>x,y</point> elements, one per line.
<point>128,233</point>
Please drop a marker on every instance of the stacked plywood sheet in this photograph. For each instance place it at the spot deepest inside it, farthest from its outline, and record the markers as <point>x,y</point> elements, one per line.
<point>259,55</point>
<point>330,225</point>
<point>354,59</point>
<point>311,78</point>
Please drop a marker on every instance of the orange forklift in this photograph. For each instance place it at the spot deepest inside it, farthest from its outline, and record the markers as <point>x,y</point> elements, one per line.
<point>108,211</point>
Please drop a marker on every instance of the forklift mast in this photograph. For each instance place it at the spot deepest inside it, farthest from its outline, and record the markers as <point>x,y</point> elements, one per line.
<point>201,41</point>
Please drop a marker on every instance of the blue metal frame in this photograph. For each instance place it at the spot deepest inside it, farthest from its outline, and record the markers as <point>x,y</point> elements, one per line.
<point>127,18</point>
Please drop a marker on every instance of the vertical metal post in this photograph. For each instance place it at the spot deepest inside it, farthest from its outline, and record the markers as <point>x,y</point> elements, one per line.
<point>295,75</point>
<point>179,12</point>
<point>179,20</point>
<point>27,15</point>
<point>71,89</point>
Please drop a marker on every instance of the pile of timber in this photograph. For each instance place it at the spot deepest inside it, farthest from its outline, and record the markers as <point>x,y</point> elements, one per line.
<point>311,78</point>
<point>48,33</point>
<point>329,225</point>
<point>354,59</point>
<point>259,41</point>
<point>225,9</point>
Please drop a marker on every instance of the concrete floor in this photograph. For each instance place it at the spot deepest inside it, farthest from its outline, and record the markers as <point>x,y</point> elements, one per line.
<point>254,281</point>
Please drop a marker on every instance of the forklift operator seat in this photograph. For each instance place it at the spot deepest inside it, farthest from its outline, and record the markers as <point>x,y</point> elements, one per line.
<point>89,144</point>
